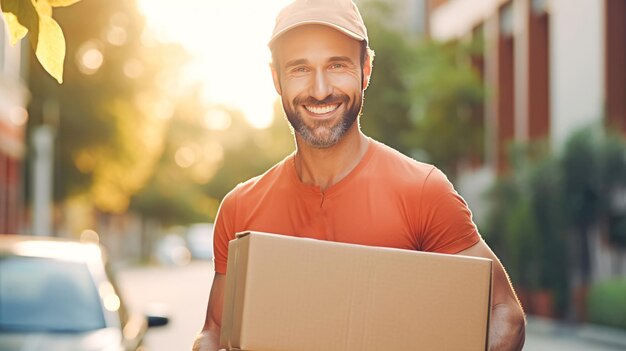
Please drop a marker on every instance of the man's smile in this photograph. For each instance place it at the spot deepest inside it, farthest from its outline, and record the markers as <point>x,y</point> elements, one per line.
<point>321,109</point>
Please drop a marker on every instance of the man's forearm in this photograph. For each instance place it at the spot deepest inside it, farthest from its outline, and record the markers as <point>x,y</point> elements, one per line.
<point>207,340</point>
<point>507,330</point>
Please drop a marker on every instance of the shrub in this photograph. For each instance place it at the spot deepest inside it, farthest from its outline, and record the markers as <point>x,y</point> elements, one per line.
<point>606,304</point>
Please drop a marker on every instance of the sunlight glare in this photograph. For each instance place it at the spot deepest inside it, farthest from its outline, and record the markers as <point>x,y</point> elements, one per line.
<point>228,43</point>
<point>89,57</point>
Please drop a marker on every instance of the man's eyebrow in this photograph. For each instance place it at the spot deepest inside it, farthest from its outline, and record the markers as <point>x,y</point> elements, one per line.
<point>295,62</point>
<point>341,59</point>
<point>332,59</point>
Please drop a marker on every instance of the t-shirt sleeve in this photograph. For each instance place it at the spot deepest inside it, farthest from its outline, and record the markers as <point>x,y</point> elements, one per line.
<point>224,230</point>
<point>446,221</point>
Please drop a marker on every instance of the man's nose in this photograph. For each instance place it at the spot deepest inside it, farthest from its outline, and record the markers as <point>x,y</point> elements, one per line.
<point>321,87</point>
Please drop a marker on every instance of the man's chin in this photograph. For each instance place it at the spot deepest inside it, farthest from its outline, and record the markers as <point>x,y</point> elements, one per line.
<point>321,137</point>
<point>321,144</point>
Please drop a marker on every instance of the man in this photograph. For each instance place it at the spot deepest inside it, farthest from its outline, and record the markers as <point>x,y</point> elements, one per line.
<point>339,184</point>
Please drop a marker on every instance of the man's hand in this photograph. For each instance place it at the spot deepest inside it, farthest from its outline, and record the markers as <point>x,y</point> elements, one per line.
<point>207,340</point>
<point>209,337</point>
<point>507,328</point>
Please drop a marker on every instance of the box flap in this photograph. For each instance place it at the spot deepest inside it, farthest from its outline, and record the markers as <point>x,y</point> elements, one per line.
<point>241,234</point>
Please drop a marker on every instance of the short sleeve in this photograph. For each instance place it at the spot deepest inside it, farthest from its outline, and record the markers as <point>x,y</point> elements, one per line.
<point>224,230</point>
<point>446,224</point>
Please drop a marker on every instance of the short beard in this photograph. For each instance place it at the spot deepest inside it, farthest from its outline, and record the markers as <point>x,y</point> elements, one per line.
<point>335,132</point>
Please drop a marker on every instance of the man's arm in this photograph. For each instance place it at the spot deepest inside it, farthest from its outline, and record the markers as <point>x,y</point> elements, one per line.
<point>209,337</point>
<point>507,328</point>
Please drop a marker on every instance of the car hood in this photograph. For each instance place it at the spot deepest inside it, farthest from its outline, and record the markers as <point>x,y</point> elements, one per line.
<point>109,339</point>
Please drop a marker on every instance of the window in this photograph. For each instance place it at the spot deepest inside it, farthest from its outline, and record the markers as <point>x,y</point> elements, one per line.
<point>47,295</point>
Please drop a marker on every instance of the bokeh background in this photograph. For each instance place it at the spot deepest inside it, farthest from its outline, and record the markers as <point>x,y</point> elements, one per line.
<point>166,106</point>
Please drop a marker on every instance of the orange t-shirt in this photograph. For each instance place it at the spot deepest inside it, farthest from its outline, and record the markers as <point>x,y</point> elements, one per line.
<point>387,200</point>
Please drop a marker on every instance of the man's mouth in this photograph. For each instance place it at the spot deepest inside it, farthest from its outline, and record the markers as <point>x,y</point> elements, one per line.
<point>321,109</point>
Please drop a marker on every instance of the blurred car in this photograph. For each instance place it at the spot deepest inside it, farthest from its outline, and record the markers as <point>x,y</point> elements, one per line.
<point>60,295</point>
<point>171,250</point>
<point>200,240</point>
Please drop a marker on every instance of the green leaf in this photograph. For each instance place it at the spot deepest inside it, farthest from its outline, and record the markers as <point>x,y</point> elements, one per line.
<point>16,30</point>
<point>62,3</point>
<point>50,47</point>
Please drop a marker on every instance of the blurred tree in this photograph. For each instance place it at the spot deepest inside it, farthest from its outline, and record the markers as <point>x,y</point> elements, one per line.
<point>545,184</point>
<point>580,166</point>
<point>130,133</point>
<point>446,90</point>
<point>189,158</point>
<point>613,170</point>
<point>521,240</point>
<point>388,100</point>
<point>422,95</point>
<point>525,226</point>
<point>543,212</point>
<point>208,151</point>
<point>594,168</point>
<point>111,111</point>
<point>500,195</point>
<point>249,152</point>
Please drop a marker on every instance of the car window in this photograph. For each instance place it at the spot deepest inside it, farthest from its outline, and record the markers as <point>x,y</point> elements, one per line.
<point>39,294</point>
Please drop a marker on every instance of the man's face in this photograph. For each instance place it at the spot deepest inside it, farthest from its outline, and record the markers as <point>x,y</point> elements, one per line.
<point>320,80</point>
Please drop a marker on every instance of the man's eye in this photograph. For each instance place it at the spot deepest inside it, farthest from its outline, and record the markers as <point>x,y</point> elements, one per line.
<point>336,66</point>
<point>299,70</point>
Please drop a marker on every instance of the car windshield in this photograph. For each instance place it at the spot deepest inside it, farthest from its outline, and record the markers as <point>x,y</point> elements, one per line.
<point>47,295</point>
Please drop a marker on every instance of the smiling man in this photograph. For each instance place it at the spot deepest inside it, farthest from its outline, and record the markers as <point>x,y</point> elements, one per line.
<point>339,184</point>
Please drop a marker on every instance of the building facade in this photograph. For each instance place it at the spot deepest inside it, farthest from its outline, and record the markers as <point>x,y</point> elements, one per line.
<point>13,117</point>
<point>550,67</point>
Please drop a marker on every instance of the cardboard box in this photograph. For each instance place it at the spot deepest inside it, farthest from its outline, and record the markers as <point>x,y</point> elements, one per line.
<point>295,294</point>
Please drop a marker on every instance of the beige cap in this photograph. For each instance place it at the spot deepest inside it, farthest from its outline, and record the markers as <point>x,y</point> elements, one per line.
<point>342,15</point>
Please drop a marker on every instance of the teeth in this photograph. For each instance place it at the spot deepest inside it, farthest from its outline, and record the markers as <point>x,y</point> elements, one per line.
<point>320,110</point>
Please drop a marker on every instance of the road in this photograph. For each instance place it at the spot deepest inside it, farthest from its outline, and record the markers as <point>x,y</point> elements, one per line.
<point>184,293</point>
<point>185,290</point>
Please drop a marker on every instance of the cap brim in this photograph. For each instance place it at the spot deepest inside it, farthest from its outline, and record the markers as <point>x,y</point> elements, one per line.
<point>334,26</point>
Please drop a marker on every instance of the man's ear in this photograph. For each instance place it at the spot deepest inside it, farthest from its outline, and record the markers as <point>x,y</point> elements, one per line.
<point>276,79</point>
<point>367,72</point>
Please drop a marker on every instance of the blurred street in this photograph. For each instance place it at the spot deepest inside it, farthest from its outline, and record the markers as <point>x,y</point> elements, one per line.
<point>186,290</point>
<point>543,335</point>
<point>184,293</point>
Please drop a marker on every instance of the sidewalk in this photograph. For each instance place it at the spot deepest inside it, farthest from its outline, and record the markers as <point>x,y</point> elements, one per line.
<point>591,337</point>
